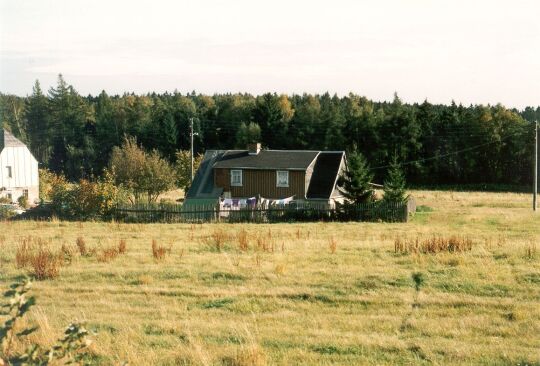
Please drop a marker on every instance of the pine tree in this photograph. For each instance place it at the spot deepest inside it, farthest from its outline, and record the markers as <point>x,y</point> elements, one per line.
<point>355,182</point>
<point>38,125</point>
<point>394,185</point>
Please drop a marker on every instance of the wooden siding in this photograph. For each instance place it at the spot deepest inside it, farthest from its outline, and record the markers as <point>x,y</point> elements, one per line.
<point>261,182</point>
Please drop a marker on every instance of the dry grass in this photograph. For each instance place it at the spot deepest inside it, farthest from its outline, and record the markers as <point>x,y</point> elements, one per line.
<point>108,254</point>
<point>433,245</point>
<point>332,244</point>
<point>158,251</point>
<point>45,264</point>
<point>81,244</point>
<point>243,241</point>
<point>122,246</point>
<point>287,300</point>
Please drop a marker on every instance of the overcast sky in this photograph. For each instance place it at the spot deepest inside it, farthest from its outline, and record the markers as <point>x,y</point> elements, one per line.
<point>481,51</point>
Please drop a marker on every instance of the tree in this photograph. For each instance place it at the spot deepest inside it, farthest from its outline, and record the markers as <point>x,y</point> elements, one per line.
<point>394,184</point>
<point>183,168</point>
<point>354,184</point>
<point>248,134</point>
<point>140,172</point>
<point>37,121</point>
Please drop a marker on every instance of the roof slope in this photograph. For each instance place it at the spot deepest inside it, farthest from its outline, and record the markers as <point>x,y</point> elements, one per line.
<point>324,175</point>
<point>8,140</point>
<point>267,159</point>
<point>203,181</point>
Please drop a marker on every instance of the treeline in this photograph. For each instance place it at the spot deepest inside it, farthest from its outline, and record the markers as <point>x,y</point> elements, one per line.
<point>436,144</point>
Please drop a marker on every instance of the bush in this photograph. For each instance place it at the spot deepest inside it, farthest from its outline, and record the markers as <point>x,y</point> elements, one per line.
<point>6,212</point>
<point>23,202</point>
<point>86,200</point>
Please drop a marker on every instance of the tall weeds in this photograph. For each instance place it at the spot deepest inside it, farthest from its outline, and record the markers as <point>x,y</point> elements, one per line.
<point>433,245</point>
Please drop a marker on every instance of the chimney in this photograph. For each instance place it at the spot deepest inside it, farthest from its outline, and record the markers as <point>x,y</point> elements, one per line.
<point>254,148</point>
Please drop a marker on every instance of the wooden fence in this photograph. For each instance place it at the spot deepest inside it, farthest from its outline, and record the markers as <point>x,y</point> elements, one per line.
<point>305,212</point>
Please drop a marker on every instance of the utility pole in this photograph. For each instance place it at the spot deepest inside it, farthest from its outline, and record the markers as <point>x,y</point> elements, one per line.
<point>191,138</point>
<point>535,188</point>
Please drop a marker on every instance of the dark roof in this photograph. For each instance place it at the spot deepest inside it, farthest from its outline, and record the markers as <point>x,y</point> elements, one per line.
<point>324,175</point>
<point>8,140</point>
<point>267,159</point>
<point>203,181</point>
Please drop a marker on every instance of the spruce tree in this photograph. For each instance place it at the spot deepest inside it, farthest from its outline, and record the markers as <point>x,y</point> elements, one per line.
<point>394,184</point>
<point>355,182</point>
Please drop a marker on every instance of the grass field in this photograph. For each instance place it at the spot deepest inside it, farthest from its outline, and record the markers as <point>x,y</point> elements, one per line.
<point>300,294</point>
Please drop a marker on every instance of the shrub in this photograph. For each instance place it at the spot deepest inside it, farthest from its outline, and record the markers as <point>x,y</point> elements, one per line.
<point>6,212</point>
<point>23,201</point>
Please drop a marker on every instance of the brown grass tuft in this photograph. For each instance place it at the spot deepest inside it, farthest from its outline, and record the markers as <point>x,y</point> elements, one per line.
<point>218,239</point>
<point>158,251</point>
<point>45,265</point>
<point>23,255</point>
<point>433,245</point>
<point>332,245</point>
<point>243,241</point>
<point>250,356</point>
<point>108,254</point>
<point>122,246</point>
<point>81,244</point>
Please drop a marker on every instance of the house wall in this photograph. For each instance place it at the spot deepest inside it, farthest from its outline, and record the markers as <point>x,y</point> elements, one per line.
<point>261,182</point>
<point>24,168</point>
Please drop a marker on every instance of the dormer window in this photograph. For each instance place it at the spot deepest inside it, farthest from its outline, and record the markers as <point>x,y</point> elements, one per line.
<point>236,178</point>
<point>282,177</point>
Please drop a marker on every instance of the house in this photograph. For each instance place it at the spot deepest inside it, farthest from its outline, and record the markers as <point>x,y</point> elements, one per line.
<point>272,174</point>
<point>18,170</point>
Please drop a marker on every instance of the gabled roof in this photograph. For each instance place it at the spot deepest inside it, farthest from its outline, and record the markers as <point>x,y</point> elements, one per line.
<point>326,168</point>
<point>325,174</point>
<point>8,140</point>
<point>267,159</point>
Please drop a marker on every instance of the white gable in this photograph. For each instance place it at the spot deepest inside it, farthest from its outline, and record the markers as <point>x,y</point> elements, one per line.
<point>18,162</point>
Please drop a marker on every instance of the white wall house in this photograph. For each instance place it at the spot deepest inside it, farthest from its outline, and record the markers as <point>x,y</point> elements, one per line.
<point>18,170</point>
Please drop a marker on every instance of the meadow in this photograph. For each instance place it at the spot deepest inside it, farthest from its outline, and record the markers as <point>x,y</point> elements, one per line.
<point>297,294</point>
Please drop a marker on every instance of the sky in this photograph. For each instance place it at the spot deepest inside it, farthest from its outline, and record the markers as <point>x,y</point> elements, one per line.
<point>472,52</point>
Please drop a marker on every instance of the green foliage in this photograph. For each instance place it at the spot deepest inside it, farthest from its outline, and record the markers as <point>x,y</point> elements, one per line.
<point>142,173</point>
<point>72,348</point>
<point>452,144</point>
<point>248,134</point>
<point>86,199</point>
<point>355,182</point>
<point>394,184</point>
<point>23,201</point>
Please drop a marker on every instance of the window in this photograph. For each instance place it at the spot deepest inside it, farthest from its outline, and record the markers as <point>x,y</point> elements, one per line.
<point>282,178</point>
<point>25,193</point>
<point>9,197</point>
<point>9,172</point>
<point>236,178</point>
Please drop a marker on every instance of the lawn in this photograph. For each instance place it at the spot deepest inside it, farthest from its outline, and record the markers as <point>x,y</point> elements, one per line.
<point>299,294</point>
